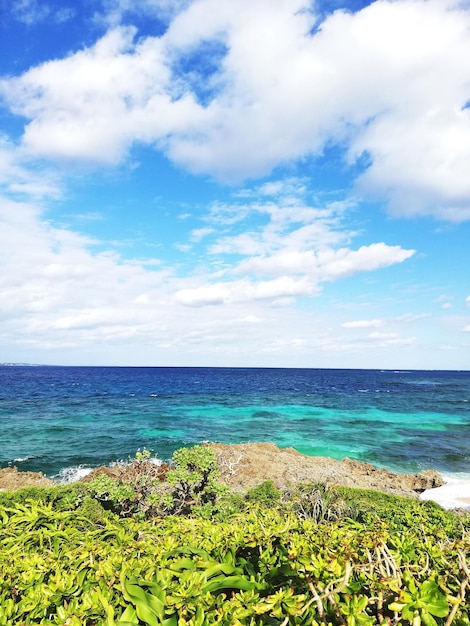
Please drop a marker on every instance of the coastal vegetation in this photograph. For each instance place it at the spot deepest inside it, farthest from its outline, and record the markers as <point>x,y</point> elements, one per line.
<point>173,546</point>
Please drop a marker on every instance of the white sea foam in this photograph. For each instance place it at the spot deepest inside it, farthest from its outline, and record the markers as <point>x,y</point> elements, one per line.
<point>153,459</point>
<point>454,494</point>
<point>72,474</point>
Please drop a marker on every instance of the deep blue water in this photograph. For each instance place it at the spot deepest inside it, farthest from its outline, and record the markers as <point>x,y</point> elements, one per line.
<point>53,418</point>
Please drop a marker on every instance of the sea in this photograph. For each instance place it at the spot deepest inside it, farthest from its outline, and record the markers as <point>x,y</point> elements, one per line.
<point>63,421</point>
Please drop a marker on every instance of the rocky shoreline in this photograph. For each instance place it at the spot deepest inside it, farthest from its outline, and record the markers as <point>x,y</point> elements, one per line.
<point>246,465</point>
<point>11,479</point>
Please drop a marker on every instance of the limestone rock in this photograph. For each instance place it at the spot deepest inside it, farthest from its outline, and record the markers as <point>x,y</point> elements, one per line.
<point>244,466</point>
<point>11,479</point>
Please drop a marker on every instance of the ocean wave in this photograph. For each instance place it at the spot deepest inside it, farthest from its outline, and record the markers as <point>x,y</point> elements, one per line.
<point>454,494</point>
<point>72,474</point>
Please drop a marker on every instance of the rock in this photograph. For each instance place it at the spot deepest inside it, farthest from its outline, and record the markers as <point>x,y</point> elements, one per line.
<point>11,479</point>
<point>429,479</point>
<point>244,466</point>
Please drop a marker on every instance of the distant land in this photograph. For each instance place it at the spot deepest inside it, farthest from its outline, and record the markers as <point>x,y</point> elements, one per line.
<point>20,365</point>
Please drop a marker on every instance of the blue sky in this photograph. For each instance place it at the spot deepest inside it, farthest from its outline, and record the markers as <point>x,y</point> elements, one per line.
<point>235,183</point>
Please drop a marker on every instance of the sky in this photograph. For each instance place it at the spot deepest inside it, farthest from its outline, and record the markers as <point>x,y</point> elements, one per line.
<point>242,183</point>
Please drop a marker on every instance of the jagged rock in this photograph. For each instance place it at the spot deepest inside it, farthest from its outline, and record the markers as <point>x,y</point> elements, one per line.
<point>244,466</point>
<point>429,479</point>
<point>11,479</point>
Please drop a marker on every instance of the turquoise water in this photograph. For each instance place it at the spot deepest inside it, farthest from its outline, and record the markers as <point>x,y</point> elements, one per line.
<point>53,419</point>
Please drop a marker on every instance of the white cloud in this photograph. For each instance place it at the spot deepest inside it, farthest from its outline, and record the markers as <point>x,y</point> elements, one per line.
<point>62,302</point>
<point>287,96</point>
<point>297,274</point>
<point>51,281</point>
<point>377,335</point>
<point>363,324</point>
<point>18,179</point>
<point>198,234</point>
<point>346,262</point>
<point>410,317</point>
<point>31,12</point>
<point>94,104</point>
<point>443,300</point>
<point>289,254</point>
<point>390,339</point>
<point>203,296</point>
<point>115,10</point>
<point>247,290</point>
<point>327,264</point>
<point>388,82</point>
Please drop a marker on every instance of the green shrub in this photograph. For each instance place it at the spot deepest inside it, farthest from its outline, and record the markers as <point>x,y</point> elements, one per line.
<point>92,510</point>
<point>190,487</point>
<point>265,566</point>
<point>194,480</point>
<point>264,493</point>
<point>62,497</point>
<point>402,513</point>
<point>319,503</point>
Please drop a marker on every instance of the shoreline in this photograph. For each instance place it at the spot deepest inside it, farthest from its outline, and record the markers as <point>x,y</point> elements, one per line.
<point>454,494</point>
<point>243,466</point>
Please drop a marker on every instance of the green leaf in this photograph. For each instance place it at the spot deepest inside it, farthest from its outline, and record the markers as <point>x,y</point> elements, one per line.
<point>182,564</point>
<point>148,607</point>
<point>129,616</point>
<point>230,582</point>
<point>428,619</point>
<point>188,550</point>
<point>436,602</point>
<point>145,613</point>
<point>222,568</point>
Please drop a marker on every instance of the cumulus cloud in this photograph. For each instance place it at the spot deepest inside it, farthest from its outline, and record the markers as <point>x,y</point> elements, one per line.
<point>386,87</point>
<point>388,83</point>
<point>58,296</point>
<point>328,264</point>
<point>348,83</point>
<point>289,254</point>
<point>52,281</point>
<point>94,104</point>
<point>59,288</point>
<point>246,290</point>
